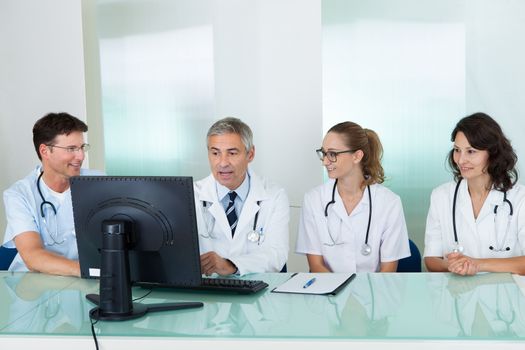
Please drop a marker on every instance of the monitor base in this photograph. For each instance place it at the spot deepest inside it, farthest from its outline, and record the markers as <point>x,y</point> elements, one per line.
<point>138,309</point>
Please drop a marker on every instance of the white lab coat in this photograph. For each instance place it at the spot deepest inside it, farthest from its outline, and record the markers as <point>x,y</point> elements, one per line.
<point>388,236</point>
<point>475,235</point>
<point>268,255</point>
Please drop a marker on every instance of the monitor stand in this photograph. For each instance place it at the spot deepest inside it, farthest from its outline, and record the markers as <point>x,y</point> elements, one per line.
<point>115,300</point>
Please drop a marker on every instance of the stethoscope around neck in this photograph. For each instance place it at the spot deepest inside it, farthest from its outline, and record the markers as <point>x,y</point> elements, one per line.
<point>42,212</point>
<point>458,248</point>
<point>254,236</point>
<point>44,201</point>
<point>365,248</point>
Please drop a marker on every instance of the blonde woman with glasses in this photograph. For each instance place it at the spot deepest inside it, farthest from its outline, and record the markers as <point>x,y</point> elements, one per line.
<point>352,223</point>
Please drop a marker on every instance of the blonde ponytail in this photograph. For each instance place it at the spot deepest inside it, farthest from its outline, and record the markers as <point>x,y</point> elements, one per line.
<point>372,168</point>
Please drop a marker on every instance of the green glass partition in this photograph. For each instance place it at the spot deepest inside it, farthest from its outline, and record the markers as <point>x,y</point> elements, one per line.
<point>409,70</point>
<point>157,85</point>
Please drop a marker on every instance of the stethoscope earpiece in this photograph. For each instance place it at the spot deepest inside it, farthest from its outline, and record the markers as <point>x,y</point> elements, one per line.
<point>500,250</point>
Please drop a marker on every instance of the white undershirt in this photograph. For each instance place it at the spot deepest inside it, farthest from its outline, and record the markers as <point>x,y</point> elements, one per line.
<point>59,196</point>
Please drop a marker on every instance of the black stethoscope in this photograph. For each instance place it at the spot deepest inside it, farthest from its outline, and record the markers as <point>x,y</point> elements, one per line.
<point>365,248</point>
<point>42,212</point>
<point>44,202</point>
<point>254,236</point>
<point>459,248</point>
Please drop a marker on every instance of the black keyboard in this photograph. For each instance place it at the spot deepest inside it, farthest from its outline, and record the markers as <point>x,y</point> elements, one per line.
<point>229,285</point>
<point>232,285</point>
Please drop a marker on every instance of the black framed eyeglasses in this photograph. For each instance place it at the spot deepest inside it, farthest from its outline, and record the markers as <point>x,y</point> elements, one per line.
<point>331,155</point>
<point>73,149</point>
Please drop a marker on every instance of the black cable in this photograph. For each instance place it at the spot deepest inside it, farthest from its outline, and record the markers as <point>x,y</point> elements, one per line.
<point>93,331</point>
<point>145,295</point>
<point>95,321</point>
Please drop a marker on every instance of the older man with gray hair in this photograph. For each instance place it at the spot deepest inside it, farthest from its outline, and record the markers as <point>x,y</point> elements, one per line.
<point>242,219</point>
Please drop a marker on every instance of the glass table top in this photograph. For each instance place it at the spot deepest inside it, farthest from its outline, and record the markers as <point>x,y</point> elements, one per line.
<point>373,306</point>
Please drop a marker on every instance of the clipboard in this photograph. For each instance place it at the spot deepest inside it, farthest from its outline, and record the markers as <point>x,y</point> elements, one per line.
<point>323,283</point>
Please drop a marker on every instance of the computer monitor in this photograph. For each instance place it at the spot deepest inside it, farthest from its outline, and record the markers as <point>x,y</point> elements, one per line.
<point>135,229</point>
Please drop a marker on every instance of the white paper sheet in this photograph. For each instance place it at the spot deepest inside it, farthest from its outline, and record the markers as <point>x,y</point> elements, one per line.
<point>325,283</point>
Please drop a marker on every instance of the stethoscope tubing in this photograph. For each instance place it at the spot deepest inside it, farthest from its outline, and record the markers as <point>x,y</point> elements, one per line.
<point>505,200</point>
<point>44,202</point>
<point>369,209</point>
<point>255,220</point>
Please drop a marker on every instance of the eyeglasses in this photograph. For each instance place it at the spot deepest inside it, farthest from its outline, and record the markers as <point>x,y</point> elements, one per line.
<point>331,155</point>
<point>73,149</point>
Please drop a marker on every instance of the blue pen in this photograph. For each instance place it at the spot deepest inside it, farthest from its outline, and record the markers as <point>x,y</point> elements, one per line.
<point>309,283</point>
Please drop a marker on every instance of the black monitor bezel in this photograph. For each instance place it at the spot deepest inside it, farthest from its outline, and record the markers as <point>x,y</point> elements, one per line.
<point>171,195</point>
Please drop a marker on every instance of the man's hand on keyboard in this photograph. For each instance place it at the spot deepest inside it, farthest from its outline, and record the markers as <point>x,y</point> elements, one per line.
<point>212,262</point>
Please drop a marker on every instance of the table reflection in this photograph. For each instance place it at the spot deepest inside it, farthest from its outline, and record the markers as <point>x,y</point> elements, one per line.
<point>481,306</point>
<point>372,306</point>
<point>222,315</point>
<point>363,308</point>
<point>40,304</point>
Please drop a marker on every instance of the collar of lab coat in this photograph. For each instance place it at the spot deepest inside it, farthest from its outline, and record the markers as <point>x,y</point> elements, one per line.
<point>257,193</point>
<point>338,207</point>
<point>241,191</point>
<point>494,198</point>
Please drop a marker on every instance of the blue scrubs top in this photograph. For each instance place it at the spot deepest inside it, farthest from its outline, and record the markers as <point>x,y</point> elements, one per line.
<point>22,206</point>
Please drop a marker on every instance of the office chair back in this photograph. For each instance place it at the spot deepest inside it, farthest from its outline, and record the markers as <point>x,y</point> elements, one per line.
<point>6,257</point>
<point>411,263</point>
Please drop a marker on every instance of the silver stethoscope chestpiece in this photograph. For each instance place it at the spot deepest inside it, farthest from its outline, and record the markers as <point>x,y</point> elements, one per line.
<point>366,249</point>
<point>457,248</point>
<point>254,236</point>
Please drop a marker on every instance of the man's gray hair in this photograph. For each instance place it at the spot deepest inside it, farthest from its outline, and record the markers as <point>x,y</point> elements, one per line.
<point>230,125</point>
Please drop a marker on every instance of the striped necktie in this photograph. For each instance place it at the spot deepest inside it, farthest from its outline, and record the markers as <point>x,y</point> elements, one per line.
<point>230,212</point>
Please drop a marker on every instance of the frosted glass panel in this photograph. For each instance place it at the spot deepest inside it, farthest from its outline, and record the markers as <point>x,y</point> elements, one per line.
<point>158,86</point>
<point>496,73</point>
<point>402,75</point>
<point>410,69</point>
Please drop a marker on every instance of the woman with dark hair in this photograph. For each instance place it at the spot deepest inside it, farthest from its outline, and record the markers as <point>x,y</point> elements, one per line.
<point>352,222</point>
<point>477,222</point>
